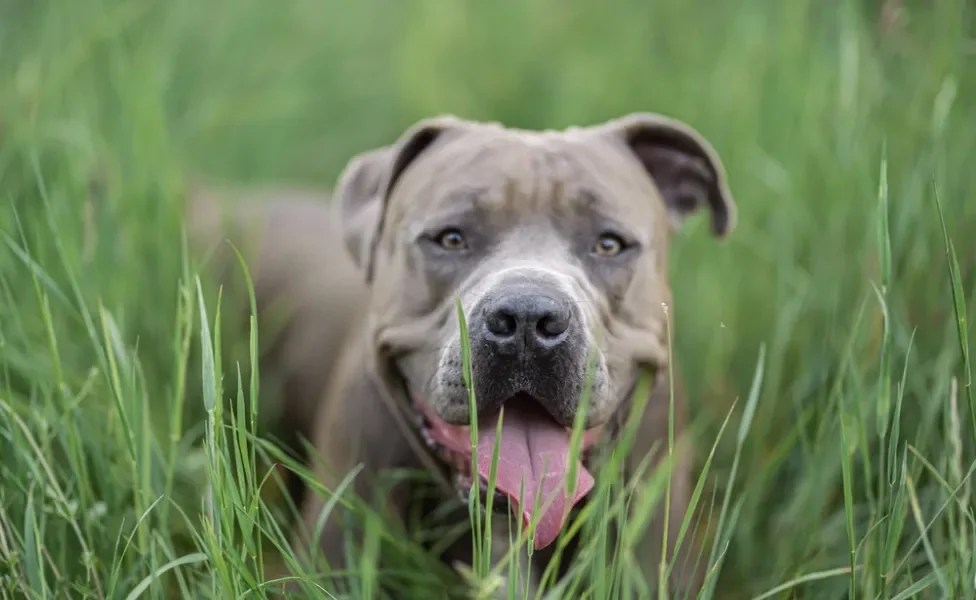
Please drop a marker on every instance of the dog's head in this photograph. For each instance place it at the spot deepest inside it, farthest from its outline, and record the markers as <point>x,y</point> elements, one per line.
<point>556,244</point>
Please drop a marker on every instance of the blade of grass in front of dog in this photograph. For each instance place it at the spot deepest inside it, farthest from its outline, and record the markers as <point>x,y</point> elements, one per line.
<point>690,510</point>
<point>279,541</point>
<point>43,303</point>
<point>482,538</point>
<point>909,554</point>
<point>490,496</point>
<point>601,583</point>
<point>367,573</point>
<point>963,513</point>
<point>183,336</point>
<point>620,517</point>
<point>926,543</point>
<point>794,583</point>
<point>883,415</point>
<point>143,585</point>
<point>474,497</point>
<point>884,266</point>
<point>207,352</point>
<point>695,496</point>
<point>520,536</point>
<point>743,433</point>
<point>115,574</point>
<point>914,589</point>
<point>847,451</point>
<point>632,507</point>
<point>959,308</point>
<point>115,382</point>
<point>247,492</point>
<point>662,583</point>
<point>39,276</point>
<point>122,388</point>
<point>252,344</point>
<point>33,558</point>
<point>537,511</point>
<point>215,529</point>
<point>241,479</point>
<point>329,506</point>
<point>897,473</point>
<point>898,516</point>
<point>247,452</point>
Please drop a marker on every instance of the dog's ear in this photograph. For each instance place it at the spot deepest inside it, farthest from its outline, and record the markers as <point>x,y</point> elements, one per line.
<point>366,182</point>
<point>683,165</point>
<point>359,193</point>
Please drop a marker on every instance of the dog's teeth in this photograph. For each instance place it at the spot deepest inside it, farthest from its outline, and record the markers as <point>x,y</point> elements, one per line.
<point>428,438</point>
<point>460,463</point>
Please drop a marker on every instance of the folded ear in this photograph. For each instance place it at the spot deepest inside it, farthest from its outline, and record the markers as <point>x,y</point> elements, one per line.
<point>358,192</point>
<point>685,168</point>
<point>366,182</point>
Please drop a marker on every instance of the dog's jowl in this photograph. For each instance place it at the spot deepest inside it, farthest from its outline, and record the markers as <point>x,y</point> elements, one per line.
<point>555,244</point>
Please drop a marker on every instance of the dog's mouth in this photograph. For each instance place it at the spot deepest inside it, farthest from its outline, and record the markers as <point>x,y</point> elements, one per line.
<point>534,465</point>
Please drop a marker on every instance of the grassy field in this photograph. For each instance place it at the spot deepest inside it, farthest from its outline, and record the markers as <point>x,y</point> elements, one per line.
<point>839,301</point>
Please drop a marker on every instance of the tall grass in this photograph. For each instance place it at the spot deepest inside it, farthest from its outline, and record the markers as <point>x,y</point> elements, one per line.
<point>830,333</point>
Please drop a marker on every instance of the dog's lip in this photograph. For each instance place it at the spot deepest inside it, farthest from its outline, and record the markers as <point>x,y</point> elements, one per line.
<point>457,438</point>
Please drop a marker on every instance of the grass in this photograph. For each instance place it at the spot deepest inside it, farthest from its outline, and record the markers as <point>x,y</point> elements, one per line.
<point>829,333</point>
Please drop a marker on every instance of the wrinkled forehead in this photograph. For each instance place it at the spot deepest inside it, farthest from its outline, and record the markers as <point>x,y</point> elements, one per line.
<point>508,178</point>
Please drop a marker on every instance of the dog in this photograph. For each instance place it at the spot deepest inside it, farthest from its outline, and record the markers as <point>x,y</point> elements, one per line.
<point>554,244</point>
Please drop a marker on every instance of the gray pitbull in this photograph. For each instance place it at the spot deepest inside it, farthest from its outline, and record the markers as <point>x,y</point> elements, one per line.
<point>556,246</point>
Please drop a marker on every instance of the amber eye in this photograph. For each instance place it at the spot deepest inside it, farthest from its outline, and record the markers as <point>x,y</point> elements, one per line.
<point>608,245</point>
<point>451,239</point>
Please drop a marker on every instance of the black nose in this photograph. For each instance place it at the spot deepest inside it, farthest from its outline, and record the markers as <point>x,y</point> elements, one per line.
<point>533,321</point>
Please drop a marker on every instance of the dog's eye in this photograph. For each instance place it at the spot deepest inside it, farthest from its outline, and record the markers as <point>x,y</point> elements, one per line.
<point>451,239</point>
<point>608,244</point>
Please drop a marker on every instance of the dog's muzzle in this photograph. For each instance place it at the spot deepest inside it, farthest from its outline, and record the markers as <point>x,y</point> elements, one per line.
<point>528,337</point>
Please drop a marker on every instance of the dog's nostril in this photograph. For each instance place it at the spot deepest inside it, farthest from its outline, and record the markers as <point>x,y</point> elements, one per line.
<point>553,324</point>
<point>501,323</point>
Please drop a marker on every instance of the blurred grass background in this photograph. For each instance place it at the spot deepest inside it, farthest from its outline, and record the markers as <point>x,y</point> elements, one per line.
<point>108,108</point>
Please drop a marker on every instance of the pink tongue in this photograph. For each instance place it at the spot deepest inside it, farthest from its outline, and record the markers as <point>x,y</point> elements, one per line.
<point>536,448</point>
